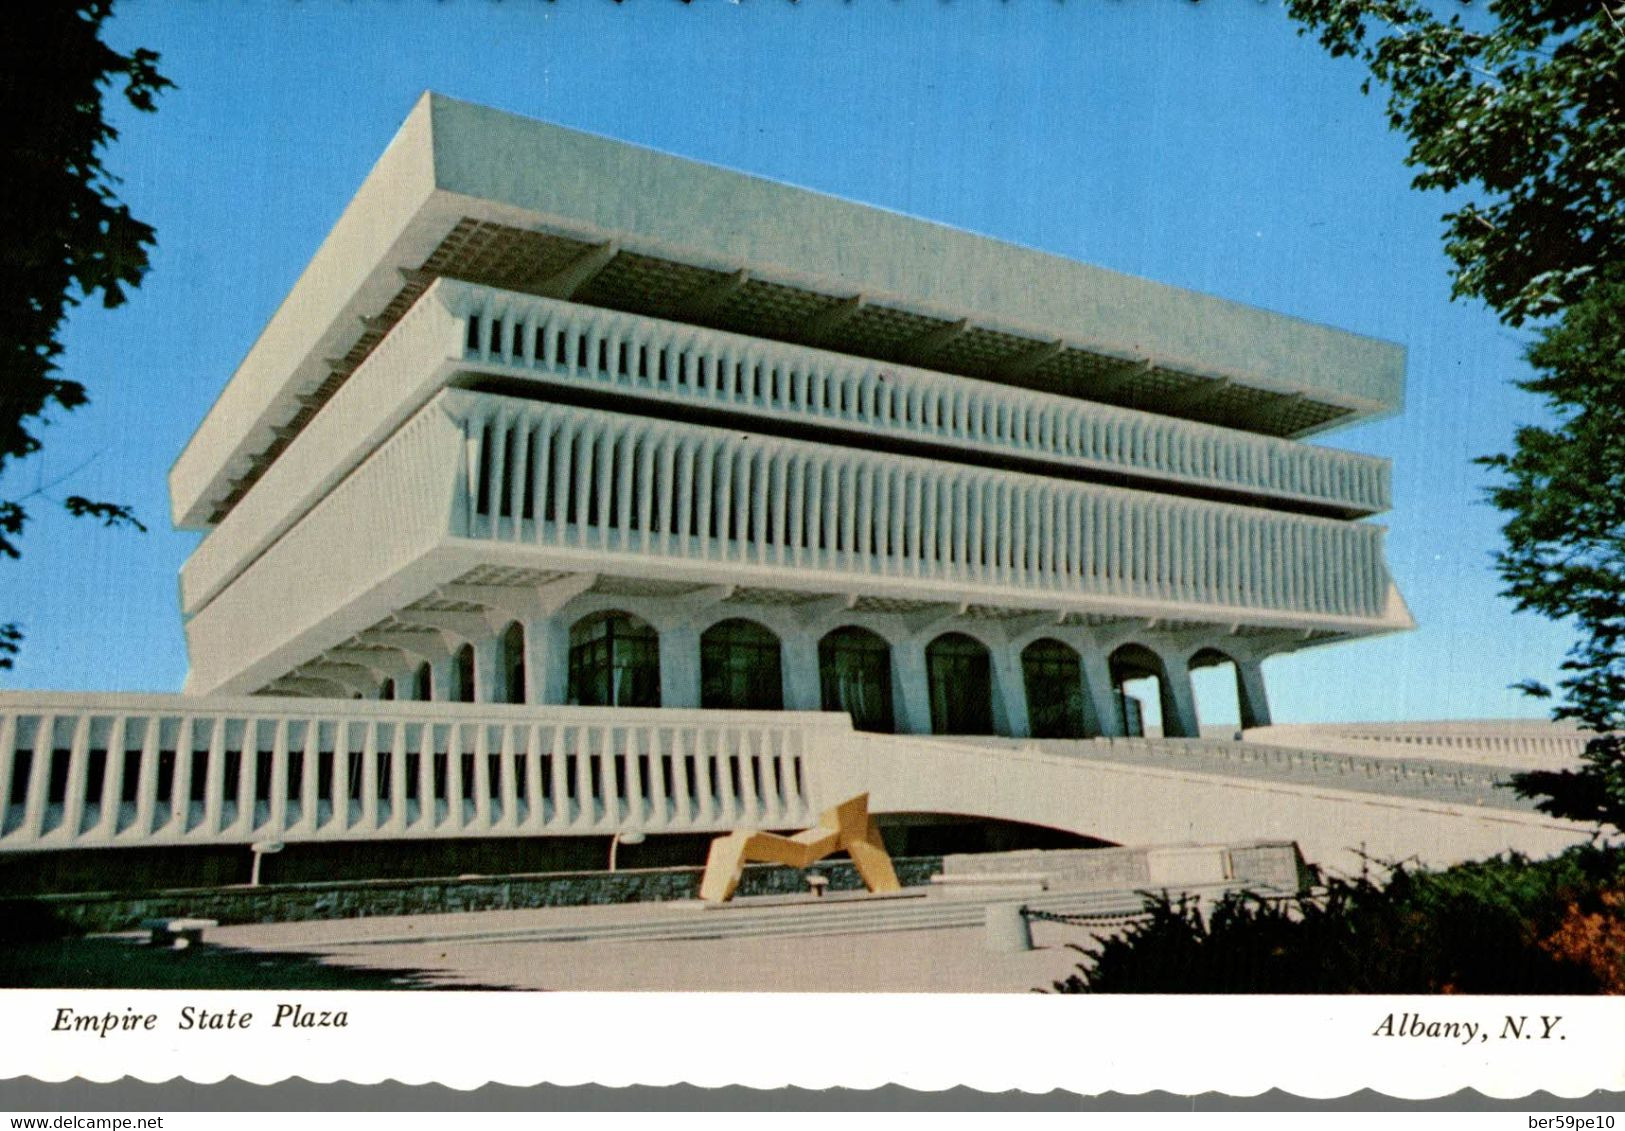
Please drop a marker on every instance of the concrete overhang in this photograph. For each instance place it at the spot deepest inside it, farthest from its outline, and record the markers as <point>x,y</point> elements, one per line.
<point>476,193</point>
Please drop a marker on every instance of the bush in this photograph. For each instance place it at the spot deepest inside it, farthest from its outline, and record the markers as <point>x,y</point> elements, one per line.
<point>1506,925</point>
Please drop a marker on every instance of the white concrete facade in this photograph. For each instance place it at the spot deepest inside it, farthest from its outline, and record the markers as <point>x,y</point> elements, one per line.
<point>552,421</point>
<point>640,484</point>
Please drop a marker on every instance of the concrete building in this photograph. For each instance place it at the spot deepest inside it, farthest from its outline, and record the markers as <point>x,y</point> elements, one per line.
<point>553,422</point>
<point>552,419</point>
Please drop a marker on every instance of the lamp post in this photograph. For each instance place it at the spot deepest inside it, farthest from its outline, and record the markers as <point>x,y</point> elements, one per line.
<point>261,849</point>
<point>619,839</point>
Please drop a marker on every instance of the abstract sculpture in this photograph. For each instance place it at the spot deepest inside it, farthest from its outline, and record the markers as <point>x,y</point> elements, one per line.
<point>847,827</point>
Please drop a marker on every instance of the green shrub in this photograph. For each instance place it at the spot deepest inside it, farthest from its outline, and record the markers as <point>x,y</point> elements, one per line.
<point>1481,928</point>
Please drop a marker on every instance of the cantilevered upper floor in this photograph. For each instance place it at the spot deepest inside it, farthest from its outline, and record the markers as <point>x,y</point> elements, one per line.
<point>532,209</point>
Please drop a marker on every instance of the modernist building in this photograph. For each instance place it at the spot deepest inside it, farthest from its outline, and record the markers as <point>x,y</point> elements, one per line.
<point>552,419</point>
<point>637,484</point>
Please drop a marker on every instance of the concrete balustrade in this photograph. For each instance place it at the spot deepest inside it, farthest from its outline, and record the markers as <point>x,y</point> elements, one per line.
<point>632,354</point>
<point>454,324</point>
<point>477,478</point>
<point>554,474</point>
<point>85,771</point>
<point>106,771</point>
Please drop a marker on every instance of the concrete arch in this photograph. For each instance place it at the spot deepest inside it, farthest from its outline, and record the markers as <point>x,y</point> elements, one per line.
<point>1133,661</point>
<point>777,619</point>
<point>661,613</point>
<point>1140,805</point>
<point>1251,702</point>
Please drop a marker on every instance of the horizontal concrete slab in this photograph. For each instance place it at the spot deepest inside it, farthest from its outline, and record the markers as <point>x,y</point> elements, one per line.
<point>453,162</point>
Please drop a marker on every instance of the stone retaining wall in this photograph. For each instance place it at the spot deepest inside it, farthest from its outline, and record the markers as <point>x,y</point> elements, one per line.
<point>287,903</point>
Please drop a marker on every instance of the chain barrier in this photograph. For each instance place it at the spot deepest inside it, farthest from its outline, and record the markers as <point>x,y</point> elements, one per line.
<point>1086,919</point>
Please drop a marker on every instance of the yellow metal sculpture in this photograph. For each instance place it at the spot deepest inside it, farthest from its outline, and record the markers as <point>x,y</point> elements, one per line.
<point>847,827</point>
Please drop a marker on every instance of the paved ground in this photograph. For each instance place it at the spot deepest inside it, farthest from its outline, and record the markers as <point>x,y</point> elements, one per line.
<point>933,960</point>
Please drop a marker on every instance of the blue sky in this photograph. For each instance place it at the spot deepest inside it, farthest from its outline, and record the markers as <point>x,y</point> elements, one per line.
<point>1206,146</point>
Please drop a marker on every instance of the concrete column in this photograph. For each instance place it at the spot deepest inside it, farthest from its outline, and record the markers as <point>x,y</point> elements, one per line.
<point>1178,701</point>
<point>547,660</point>
<point>1251,700</point>
<point>803,691</point>
<point>680,666</point>
<point>1009,694</point>
<point>1102,715</point>
<point>442,673</point>
<point>487,657</point>
<point>910,690</point>
<point>73,802</point>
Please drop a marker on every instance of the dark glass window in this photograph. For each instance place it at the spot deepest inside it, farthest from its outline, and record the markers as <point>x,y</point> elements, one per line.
<point>854,669</point>
<point>423,684</point>
<point>513,664</point>
<point>961,680</point>
<point>739,667</point>
<point>1053,673</point>
<point>614,662</point>
<point>463,675</point>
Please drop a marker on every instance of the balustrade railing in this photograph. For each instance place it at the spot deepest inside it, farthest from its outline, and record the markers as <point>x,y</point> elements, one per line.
<point>88,771</point>
<point>561,475</point>
<point>631,353</point>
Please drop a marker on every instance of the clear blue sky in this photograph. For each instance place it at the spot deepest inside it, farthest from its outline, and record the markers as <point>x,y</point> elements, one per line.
<point>1205,146</point>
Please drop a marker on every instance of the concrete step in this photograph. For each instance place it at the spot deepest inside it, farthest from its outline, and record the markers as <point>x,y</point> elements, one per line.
<point>692,920</point>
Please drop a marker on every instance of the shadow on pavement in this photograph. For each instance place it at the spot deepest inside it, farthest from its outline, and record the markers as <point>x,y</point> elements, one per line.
<point>131,963</point>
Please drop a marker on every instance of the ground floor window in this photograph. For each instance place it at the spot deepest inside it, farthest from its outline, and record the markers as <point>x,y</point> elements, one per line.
<point>614,662</point>
<point>462,672</point>
<point>1053,674</point>
<point>740,668</point>
<point>854,670</point>
<point>960,672</point>
<point>513,664</point>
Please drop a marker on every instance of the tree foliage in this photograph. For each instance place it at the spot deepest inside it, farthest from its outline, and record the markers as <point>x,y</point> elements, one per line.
<point>1518,111</point>
<point>1522,109</point>
<point>1564,490</point>
<point>68,236</point>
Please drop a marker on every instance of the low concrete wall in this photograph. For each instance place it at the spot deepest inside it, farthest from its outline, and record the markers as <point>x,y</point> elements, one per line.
<point>288,903</point>
<point>1264,864</point>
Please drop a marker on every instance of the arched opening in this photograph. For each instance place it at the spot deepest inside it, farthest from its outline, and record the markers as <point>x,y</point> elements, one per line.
<point>1053,675</point>
<point>942,834</point>
<point>387,691</point>
<point>462,675</point>
<point>1215,683</point>
<point>740,667</point>
<point>960,674</point>
<point>854,671</point>
<point>423,683</point>
<point>1138,683</point>
<point>511,664</point>
<point>614,661</point>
